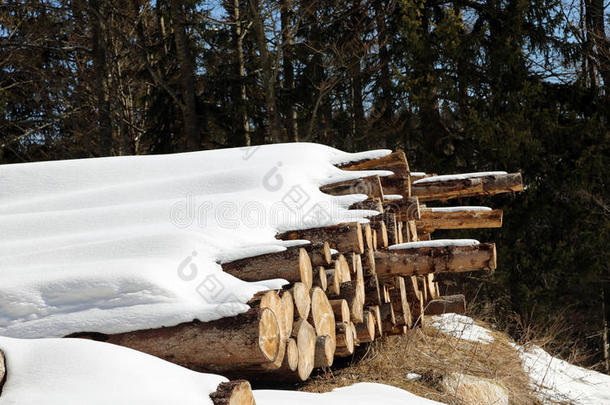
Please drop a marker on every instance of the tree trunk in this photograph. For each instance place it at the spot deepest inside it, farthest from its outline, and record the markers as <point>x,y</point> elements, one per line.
<point>465,218</point>
<point>290,112</point>
<point>431,189</point>
<point>192,137</point>
<point>239,89</point>
<point>346,237</point>
<point>274,127</point>
<point>100,69</point>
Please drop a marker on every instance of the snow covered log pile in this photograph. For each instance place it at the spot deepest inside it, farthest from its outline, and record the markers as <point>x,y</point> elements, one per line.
<point>354,262</point>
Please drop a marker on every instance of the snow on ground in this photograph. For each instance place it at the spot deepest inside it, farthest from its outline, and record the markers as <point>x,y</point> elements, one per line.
<point>116,244</point>
<point>357,394</point>
<point>458,209</point>
<point>434,243</point>
<point>451,177</point>
<point>461,327</point>
<point>556,380</point>
<point>78,371</point>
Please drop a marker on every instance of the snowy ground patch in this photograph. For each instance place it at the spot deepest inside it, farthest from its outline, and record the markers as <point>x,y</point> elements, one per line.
<point>461,327</point>
<point>357,394</point>
<point>555,380</point>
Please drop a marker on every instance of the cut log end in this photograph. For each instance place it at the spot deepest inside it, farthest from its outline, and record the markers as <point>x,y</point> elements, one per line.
<point>345,339</point>
<point>325,352</point>
<point>269,334</point>
<point>365,331</point>
<point>302,300</point>
<point>306,343</point>
<point>305,268</point>
<point>236,392</point>
<point>322,316</point>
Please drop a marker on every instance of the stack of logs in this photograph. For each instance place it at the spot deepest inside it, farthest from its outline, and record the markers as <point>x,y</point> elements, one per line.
<point>347,288</point>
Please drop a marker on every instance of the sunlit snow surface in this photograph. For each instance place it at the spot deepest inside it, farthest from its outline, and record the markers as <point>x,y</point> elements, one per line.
<point>461,327</point>
<point>123,243</point>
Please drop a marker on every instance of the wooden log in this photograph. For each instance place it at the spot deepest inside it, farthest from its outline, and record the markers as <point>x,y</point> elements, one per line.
<point>388,317</point>
<point>292,264</point>
<point>346,237</point>
<point>333,277</point>
<point>477,185</point>
<point>405,209</point>
<point>306,343</point>
<point>369,186</point>
<point>351,291</point>
<point>391,226</point>
<point>273,301</point>
<point>291,358</point>
<point>225,344</point>
<point>374,240</point>
<point>325,352</point>
<point>340,309</point>
<point>372,291</point>
<point>320,278</point>
<point>288,306</point>
<point>421,261</point>
<point>395,162</point>
<point>422,284</point>
<point>398,298</point>
<point>344,268</point>
<point>365,331</point>
<point>236,392</point>
<point>400,234</point>
<point>382,233</point>
<point>2,371</point>
<point>370,204</point>
<point>375,309</point>
<point>302,300</point>
<point>447,304</point>
<point>416,301</point>
<point>354,334</point>
<point>345,339</point>
<point>396,185</point>
<point>433,287</point>
<point>367,235</point>
<point>321,314</point>
<point>413,234</point>
<point>368,264</point>
<point>319,253</point>
<point>466,218</point>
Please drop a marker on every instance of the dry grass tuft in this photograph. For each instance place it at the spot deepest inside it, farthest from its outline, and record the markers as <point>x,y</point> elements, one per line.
<point>432,355</point>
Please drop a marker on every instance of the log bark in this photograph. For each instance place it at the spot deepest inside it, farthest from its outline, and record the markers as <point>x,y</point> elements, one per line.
<point>395,162</point>
<point>225,344</point>
<point>325,352</point>
<point>405,209</point>
<point>389,219</point>
<point>464,219</point>
<point>351,291</point>
<point>388,317</point>
<point>448,304</point>
<point>292,264</point>
<point>345,339</point>
<point>333,277</point>
<point>416,301</point>
<point>319,253</point>
<point>340,309</point>
<point>372,291</point>
<point>396,185</point>
<point>368,265</point>
<point>369,186</point>
<point>365,331</point>
<point>346,237</point>
<point>321,315</point>
<point>382,234</point>
<point>238,392</point>
<point>421,261</point>
<point>469,187</point>
<point>370,204</point>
